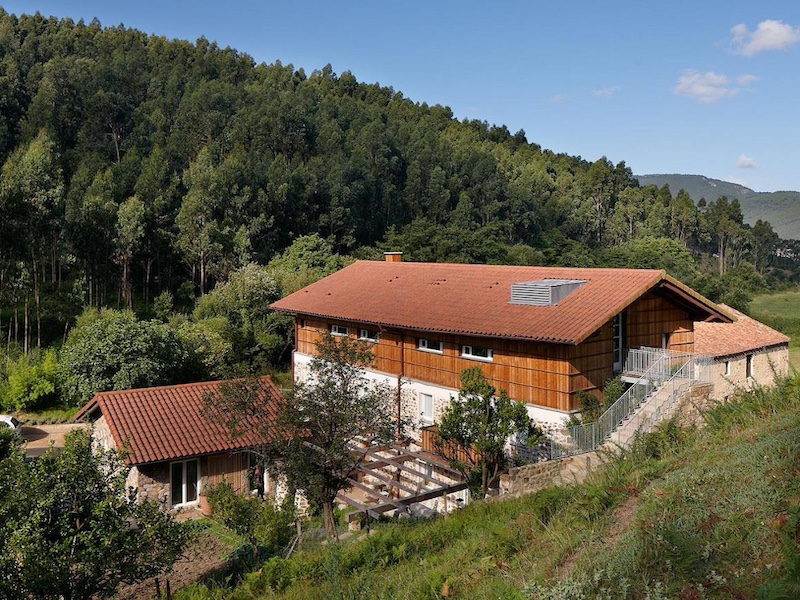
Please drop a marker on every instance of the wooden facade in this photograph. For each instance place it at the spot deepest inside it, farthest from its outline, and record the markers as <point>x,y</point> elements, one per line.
<point>543,374</point>
<point>226,468</point>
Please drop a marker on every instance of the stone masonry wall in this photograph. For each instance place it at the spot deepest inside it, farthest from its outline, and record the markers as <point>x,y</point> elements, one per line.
<point>531,478</point>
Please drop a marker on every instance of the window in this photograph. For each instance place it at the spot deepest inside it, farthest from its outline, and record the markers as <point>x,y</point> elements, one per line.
<point>368,335</point>
<point>727,368</point>
<point>477,353</point>
<point>340,330</point>
<point>430,345</point>
<point>302,323</point>
<point>185,481</point>
<point>664,341</point>
<point>426,408</point>
<point>618,335</point>
<point>749,367</point>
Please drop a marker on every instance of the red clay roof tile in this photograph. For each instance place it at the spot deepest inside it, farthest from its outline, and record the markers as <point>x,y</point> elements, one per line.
<point>474,299</point>
<point>168,422</point>
<point>727,339</point>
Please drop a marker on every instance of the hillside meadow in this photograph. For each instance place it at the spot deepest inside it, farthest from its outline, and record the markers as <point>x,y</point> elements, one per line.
<point>781,311</point>
<point>692,512</point>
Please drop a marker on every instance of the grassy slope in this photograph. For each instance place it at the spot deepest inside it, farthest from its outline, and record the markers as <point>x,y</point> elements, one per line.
<point>703,514</point>
<point>782,312</point>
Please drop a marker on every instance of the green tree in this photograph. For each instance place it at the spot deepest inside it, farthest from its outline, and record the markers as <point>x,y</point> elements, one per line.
<point>308,259</point>
<point>765,240</point>
<point>32,188</point>
<point>130,233</point>
<point>113,350</point>
<point>72,530</point>
<point>239,309</point>
<point>31,381</point>
<point>327,424</point>
<point>478,425</point>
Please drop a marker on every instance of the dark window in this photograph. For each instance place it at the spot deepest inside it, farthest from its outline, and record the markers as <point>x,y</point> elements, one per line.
<point>368,335</point>
<point>185,481</point>
<point>430,345</point>
<point>340,330</point>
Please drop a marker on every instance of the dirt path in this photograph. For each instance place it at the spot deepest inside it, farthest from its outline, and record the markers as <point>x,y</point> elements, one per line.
<point>621,521</point>
<point>205,555</point>
<point>40,437</point>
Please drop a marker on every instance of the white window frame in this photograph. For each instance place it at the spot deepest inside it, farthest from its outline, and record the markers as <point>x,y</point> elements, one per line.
<point>426,402</point>
<point>424,344</point>
<point>748,366</point>
<point>467,351</point>
<point>727,368</point>
<point>184,483</point>
<point>340,330</point>
<point>369,335</point>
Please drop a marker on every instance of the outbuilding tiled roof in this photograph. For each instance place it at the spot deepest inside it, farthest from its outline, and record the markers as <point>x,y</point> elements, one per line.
<point>169,423</point>
<point>474,299</point>
<point>728,339</point>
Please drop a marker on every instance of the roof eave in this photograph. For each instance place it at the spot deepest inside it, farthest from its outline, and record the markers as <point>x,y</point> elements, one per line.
<point>695,298</point>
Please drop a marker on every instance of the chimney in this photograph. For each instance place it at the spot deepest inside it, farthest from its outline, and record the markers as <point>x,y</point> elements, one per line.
<point>393,256</point>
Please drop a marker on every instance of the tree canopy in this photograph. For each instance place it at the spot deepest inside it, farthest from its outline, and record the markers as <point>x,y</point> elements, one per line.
<point>476,428</point>
<point>71,528</point>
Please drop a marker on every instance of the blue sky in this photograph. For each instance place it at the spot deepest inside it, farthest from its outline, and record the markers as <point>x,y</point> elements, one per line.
<point>707,87</point>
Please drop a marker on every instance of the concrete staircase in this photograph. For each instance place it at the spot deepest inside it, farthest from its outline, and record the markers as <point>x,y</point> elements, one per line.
<point>658,406</point>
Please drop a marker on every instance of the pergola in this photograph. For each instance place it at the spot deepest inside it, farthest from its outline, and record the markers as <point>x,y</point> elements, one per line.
<point>392,493</point>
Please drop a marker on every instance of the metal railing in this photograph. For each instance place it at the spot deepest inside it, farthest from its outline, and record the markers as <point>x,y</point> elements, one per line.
<point>663,374</point>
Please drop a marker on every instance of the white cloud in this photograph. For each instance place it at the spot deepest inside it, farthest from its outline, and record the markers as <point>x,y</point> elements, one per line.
<point>558,98</point>
<point>769,35</point>
<point>745,80</point>
<point>710,87</point>
<point>605,92</point>
<point>746,162</point>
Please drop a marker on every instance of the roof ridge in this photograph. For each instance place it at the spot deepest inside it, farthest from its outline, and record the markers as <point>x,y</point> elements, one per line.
<point>180,385</point>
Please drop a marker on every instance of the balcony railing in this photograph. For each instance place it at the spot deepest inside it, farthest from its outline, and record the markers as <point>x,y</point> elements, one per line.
<point>657,370</point>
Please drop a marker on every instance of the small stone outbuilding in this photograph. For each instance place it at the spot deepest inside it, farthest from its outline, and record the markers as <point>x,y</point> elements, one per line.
<point>745,353</point>
<point>174,444</point>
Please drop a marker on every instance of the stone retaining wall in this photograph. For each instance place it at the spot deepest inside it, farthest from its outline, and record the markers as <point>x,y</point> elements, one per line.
<point>531,478</point>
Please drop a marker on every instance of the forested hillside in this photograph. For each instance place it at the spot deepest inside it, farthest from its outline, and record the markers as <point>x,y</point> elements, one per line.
<point>782,209</point>
<point>144,173</point>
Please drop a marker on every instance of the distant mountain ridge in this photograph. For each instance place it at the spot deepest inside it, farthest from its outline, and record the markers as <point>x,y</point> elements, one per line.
<point>781,209</point>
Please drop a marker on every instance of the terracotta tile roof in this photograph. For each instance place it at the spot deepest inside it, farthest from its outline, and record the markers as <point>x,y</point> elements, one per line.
<point>167,423</point>
<point>743,335</point>
<point>474,299</point>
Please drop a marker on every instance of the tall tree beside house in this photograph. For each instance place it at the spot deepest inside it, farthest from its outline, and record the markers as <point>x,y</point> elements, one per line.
<point>476,427</point>
<point>326,425</point>
<point>71,528</point>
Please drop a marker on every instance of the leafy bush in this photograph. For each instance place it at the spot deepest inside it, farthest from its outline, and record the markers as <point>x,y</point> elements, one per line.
<point>31,382</point>
<point>112,350</point>
<point>266,527</point>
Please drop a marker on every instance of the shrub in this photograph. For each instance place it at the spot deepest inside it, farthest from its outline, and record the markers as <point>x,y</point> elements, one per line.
<point>266,528</point>
<point>31,383</point>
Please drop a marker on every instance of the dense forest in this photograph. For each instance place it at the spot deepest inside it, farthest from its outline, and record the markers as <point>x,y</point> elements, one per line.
<point>192,186</point>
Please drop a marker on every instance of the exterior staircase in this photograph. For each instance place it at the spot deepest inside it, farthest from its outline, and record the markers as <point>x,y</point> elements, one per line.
<point>663,378</point>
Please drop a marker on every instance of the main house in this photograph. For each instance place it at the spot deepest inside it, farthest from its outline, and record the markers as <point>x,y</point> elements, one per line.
<point>542,334</point>
<point>174,445</point>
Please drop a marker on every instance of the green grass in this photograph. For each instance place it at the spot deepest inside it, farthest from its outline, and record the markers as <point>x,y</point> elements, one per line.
<point>708,513</point>
<point>781,311</point>
<point>780,304</point>
<point>49,416</point>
